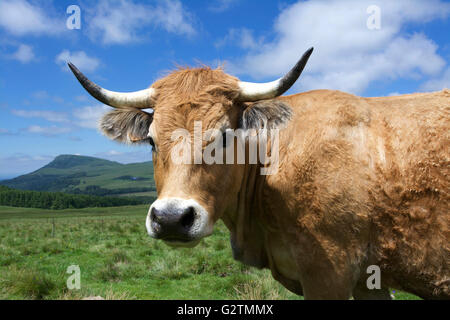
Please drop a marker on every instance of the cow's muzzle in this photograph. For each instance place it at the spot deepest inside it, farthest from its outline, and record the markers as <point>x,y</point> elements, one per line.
<point>178,222</point>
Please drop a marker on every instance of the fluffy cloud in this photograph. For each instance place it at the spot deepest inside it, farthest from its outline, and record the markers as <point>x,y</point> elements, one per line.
<point>120,22</point>
<point>88,117</point>
<point>79,58</point>
<point>24,54</point>
<point>51,116</point>
<point>348,55</point>
<point>438,83</point>
<point>84,117</point>
<point>20,17</point>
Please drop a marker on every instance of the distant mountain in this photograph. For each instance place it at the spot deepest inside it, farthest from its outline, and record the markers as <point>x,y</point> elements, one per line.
<point>88,175</point>
<point>67,161</point>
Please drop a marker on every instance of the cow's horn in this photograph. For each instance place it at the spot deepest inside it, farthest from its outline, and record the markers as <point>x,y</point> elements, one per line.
<point>251,91</point>
<point>139,99</point>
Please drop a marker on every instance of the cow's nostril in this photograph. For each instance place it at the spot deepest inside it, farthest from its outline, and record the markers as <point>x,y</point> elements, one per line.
<point>188,218</point>
<point>153,216</point>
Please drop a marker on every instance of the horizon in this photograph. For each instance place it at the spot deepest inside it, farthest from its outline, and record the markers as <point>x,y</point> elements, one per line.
<point>126,45</point>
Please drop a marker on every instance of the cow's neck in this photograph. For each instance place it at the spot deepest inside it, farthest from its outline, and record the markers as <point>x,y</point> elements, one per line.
<point>247,238</point>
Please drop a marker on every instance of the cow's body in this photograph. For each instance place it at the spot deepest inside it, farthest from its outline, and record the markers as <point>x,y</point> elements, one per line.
<point>362,181</point>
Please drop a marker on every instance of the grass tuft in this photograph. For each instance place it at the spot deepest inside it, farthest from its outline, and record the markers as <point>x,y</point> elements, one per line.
<point>31,284</point>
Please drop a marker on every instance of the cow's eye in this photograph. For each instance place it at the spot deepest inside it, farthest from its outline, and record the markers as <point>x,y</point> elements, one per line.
<point>150,140</point>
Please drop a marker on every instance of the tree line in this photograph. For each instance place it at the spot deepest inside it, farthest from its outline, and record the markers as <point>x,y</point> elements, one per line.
<point>58,200</point>
<point>99,191</point>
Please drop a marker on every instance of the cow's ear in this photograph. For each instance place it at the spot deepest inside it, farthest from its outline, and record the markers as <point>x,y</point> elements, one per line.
<point>266,114</point>
<point>127,126</point>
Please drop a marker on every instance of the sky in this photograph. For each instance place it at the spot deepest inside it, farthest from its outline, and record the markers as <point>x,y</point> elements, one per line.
<point>368,48</point>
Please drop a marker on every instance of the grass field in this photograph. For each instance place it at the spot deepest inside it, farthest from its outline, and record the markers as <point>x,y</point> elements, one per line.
<point>118,260</point>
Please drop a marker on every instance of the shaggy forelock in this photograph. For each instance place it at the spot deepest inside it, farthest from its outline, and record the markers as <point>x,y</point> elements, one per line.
<point>195,86</point>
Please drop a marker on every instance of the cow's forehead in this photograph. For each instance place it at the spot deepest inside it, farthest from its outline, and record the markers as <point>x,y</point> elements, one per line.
<point>195,86</point>
<point>189,95</point>
<point>187,116</point>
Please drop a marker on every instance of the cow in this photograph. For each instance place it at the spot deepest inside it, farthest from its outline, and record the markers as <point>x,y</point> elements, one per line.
<point>361,183</point>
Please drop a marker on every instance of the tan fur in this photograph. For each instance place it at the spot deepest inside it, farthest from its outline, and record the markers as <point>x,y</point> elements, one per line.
<point>361,181</point>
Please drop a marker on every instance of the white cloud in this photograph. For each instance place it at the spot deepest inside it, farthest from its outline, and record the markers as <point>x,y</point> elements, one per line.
<point>20,17</point>
<point>348,56</point>
<point>84,117</point>
<point>47,131</point>
<point>88,117</point>
<point>51,116</point>
<point>120,22</point>
<point>78,58</point>
<point>24,54</point>
<point>437,84</point>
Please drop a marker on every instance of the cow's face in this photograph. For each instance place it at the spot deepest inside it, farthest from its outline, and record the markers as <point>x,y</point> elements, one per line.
<point>191,193</point>
<point>192,109</point>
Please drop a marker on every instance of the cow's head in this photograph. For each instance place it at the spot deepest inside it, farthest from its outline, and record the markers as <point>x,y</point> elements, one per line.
<point>192,196</point>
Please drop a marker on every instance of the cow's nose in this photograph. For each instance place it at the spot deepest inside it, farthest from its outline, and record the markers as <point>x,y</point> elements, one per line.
<point>172,223</point>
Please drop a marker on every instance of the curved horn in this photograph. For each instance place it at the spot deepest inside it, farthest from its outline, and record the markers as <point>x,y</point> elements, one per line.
<point>139,99</point>
<point>251,91</point>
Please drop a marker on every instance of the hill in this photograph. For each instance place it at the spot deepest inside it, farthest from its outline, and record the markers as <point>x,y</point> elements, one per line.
<point>88,175</point>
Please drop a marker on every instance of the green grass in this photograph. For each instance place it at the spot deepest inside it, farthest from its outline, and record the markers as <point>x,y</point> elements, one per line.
<point>118,260</point>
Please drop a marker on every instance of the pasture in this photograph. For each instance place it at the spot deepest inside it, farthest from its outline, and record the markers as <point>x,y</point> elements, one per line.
<point>118,260</point>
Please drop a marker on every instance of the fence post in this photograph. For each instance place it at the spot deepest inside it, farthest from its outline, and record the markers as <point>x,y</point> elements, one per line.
<point>53,227</point>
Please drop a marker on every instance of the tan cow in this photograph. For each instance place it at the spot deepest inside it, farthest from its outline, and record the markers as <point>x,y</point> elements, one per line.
<point>360,181</point>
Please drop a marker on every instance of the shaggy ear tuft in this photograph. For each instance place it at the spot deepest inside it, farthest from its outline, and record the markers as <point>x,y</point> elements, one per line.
<point>126,125</point>
<point>266,114</point>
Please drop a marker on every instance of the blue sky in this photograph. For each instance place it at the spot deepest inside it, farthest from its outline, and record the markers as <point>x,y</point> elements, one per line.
<point>126,45</point>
